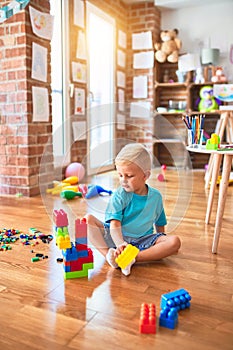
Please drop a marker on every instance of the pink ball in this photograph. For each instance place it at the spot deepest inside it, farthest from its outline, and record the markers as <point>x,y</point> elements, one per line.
<point>75,169</point>
<point>163,167</point>
<point>160,177</point>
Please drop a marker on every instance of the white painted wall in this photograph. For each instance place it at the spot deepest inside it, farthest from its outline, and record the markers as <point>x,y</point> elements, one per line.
<point>198,25</point>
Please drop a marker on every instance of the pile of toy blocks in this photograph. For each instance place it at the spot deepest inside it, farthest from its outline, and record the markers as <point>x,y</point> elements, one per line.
<point>171,303</point>
<point>77,257</point>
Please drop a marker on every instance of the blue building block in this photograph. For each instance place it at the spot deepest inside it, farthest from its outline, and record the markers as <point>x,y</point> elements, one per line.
<point>81,240</point>
<point>67,268</point>
<point>179,299</point>
<point>82,253</point>
<point>70,254</point>
<point>168,317</point>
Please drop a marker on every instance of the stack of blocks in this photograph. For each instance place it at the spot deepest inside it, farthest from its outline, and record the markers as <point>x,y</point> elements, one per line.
<point>171,303</point>
<point>77,258</point>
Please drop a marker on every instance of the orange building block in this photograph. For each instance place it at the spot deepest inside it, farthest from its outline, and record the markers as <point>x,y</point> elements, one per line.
<point>147,322</point>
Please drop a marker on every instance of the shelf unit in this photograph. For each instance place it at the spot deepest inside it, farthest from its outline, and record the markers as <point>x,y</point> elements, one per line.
<point>170,133</point>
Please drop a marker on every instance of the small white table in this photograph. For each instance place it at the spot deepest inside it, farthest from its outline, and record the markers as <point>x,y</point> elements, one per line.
<point>227,162</point>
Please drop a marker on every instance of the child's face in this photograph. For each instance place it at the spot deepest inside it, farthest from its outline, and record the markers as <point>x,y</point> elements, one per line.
<point>132,178</point>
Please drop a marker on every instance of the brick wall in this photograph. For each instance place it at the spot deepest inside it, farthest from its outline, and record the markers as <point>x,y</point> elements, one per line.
<point>142,17</point>
<point>23,142</point>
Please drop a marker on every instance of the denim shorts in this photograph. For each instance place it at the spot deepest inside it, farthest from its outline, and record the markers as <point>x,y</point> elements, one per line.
<point>141,243</point>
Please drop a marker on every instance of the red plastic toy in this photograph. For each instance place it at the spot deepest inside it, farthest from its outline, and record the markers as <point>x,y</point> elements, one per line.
<point>147,323</point>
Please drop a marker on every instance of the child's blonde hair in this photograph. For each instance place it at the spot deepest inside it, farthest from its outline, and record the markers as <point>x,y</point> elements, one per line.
<point>134,153</point>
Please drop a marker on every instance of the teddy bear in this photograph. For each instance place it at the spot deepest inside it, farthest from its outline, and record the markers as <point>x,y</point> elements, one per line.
<point>219,76</point>
<point>168,48</point>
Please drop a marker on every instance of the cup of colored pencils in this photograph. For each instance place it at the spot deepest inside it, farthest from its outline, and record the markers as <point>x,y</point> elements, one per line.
<point>195,126</point>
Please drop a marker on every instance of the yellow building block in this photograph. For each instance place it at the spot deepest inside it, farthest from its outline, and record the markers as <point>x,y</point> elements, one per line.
<point>63,242</point>
<point>128,254</point>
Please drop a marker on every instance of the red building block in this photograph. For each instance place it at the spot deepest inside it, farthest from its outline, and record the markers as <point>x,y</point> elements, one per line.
<point>147,322</point>
<point>60,218</point>
<point>78,264</point>
<point>80,228</point>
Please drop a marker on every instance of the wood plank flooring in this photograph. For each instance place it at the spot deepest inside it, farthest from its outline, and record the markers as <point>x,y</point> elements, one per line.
<point>39,310</point>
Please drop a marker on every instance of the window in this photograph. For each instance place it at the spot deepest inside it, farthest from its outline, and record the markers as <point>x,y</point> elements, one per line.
<point>59,80</point>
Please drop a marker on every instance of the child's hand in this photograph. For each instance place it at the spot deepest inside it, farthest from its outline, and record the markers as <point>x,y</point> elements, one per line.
<point>120,249</point>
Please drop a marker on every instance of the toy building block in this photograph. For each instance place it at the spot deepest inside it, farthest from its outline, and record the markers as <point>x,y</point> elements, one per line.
<point>82,241</point>
<point>60,218</point>
<point>213,143</point>
<point>147,322</point>
<point>70,254</point>
<point>62,238</point>
<point>179,299</point>
<point>77,257</point>
<point>78,274</point>
<point>168,317</point>
<point>80,228</point>
<point>129,253</point>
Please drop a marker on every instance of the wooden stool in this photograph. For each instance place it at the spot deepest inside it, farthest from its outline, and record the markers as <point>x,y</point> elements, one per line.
<point>225,123</point>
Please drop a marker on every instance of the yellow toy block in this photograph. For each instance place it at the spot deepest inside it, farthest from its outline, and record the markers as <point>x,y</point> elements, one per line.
<point>128,254</point>
<point>63,242</point>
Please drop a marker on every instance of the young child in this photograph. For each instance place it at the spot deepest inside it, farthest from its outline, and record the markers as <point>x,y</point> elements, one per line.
<point>135,214</point>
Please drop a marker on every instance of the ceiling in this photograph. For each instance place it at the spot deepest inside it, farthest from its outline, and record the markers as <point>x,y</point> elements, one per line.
<point>176,4</point>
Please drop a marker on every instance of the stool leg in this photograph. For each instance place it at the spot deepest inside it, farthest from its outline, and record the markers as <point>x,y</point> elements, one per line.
<point>209,171</point>
<point>222,199</point>
<point>216,166</point>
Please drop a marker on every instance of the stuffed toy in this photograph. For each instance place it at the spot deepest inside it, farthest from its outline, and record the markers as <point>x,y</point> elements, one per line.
<point>219,76</point>
<point>168,48</point>
<point>207,101</point>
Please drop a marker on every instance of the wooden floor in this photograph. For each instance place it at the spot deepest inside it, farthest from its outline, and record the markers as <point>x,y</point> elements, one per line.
<point>39,310</point>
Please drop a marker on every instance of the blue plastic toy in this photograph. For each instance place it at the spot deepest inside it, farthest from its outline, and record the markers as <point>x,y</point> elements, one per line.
<point>95,190</point>
<point>168,317</point>
<point>180,299</point>
<point>171,303</point>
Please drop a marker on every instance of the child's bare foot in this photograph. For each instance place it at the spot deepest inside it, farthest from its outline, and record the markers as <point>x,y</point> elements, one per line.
<point>110,257</point>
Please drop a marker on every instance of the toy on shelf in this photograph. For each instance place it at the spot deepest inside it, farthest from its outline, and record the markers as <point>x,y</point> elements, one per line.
<point>171,303</point>
<point>219,76</point>
<point>199,77</point>
<point>75,169</point>
<point>207,101</point>
<point>147,322</point>
<point>213,143</point>
<point>126,257</point>
<point>77,258</point>
<point>95,190</point>
<point>168,48</point>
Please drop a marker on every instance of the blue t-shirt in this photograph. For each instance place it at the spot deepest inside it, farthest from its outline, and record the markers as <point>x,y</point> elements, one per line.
<point>136,213</point>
